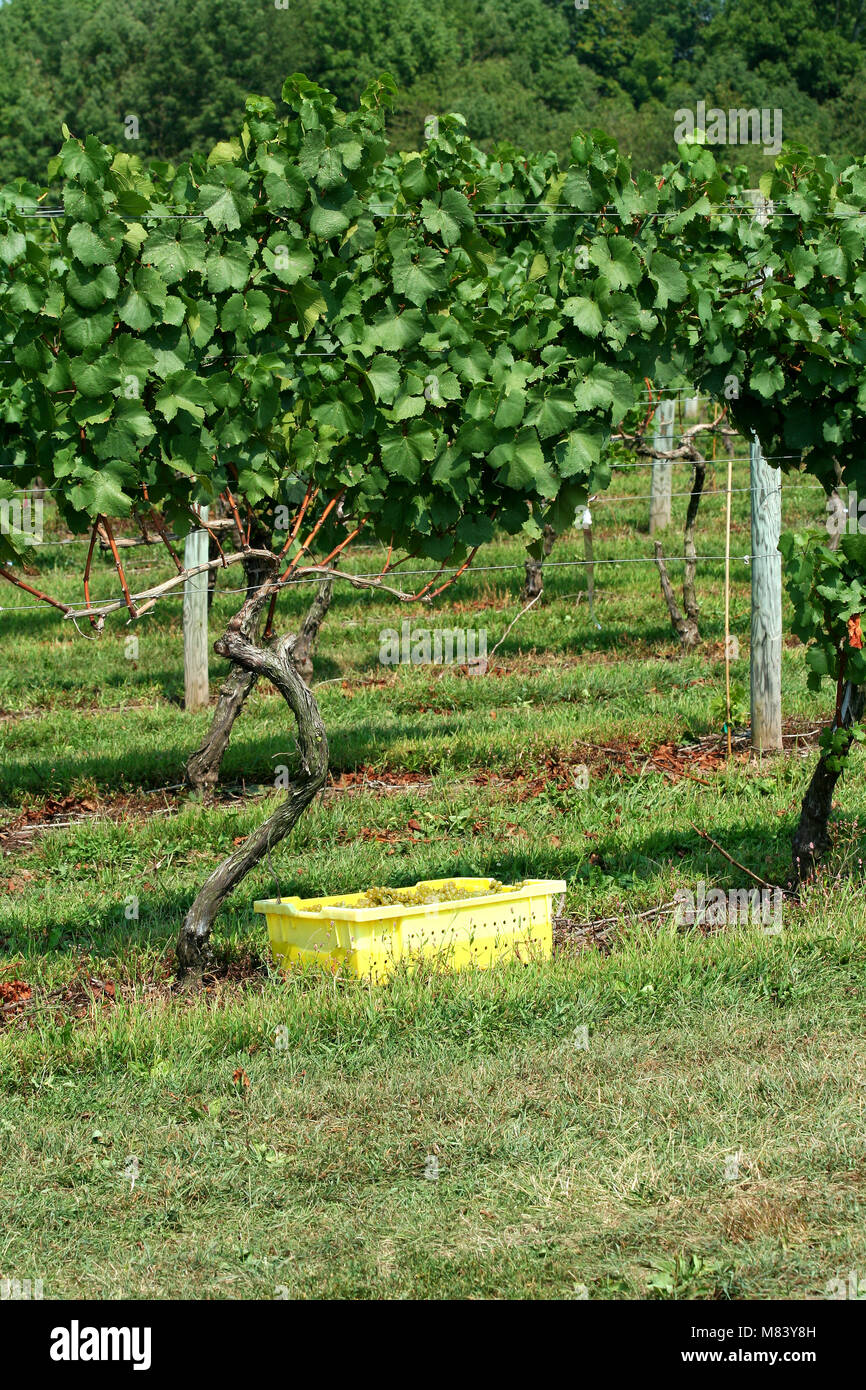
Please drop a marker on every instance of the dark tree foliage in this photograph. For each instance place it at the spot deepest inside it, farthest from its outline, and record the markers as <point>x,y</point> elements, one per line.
<point>528,71</point>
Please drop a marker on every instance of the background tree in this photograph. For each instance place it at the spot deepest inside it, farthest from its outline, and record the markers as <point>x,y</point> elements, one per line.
<point>528,70</point>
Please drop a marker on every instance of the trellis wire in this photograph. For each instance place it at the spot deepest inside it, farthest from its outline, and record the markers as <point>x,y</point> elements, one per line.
<point>512,211</point>
<point>648,463</point>
<point>377,574</point>
<point>604,499</point>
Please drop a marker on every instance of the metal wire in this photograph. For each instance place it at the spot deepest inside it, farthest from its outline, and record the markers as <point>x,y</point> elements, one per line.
<point>515,211</point>
<point>377,574</point>
<point>615,467</point>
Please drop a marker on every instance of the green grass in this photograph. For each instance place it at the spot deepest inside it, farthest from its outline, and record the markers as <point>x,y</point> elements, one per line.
<point>557,1165</point>
<point>561,1168</point>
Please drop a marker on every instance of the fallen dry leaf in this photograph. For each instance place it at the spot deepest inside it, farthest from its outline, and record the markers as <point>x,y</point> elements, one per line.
<point>14,991</point>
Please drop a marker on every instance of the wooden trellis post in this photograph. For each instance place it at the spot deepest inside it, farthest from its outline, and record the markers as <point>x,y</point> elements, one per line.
<point>195,636</point>
<point>662,469</point>
<point>766,644</point>
<point>586,527</point>
<point>765,664</point>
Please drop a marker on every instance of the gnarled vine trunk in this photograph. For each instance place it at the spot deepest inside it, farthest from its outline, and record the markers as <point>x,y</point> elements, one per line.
<point>305,642</point>
<point>685,623</point>
<point>812,836</point>
<point>534,581</point>
<point>203,767</point>
<point>276,664</point>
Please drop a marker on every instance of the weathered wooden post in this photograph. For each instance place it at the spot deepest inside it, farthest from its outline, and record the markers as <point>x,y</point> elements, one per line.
<point>662,469</point>
<point>195,644</point>
<point>765,674</point>
<point>766,644</point>
<point>586,527</point>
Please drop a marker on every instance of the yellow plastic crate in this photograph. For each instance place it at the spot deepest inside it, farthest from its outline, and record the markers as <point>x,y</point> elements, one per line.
<point>369,941</point>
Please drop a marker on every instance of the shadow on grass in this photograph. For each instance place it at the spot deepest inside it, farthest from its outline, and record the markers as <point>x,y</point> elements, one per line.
<point>105,934</point>
<point>252,755</point>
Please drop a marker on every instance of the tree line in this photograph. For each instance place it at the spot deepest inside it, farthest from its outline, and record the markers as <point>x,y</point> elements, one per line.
<point>170,77</point>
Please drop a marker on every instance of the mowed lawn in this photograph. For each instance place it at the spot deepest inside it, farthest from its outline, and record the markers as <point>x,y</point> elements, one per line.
<point>659,1111</point>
